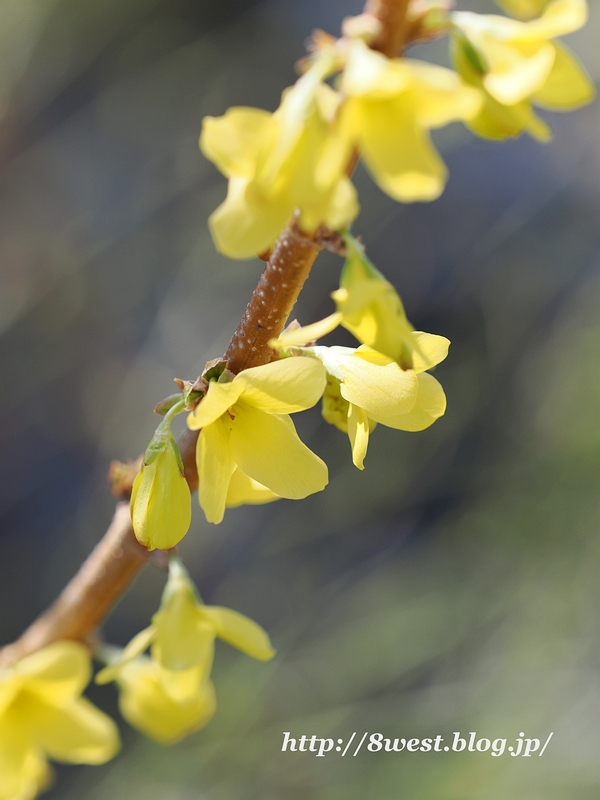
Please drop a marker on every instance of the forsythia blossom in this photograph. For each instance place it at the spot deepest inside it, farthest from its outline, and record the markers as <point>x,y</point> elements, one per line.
<point>277,163</point>
<point>366,387</point>
<point>368,306</point>
<point>161,509</point>
<point>42,715</point>
<point>391,106</point>
<point>516,64</point>
<point>245,423</point>
<point>171,695</point>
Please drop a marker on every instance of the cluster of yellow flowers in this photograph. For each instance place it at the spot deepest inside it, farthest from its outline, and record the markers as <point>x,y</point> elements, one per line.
<point>166,696</point>
<point>248,450</point>
<point>384,108</point>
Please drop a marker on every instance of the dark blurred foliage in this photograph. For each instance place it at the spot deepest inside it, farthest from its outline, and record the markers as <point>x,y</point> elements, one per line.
<point>452,585</point>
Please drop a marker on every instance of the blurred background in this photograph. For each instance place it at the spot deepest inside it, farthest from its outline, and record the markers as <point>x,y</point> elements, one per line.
<point>452,585</point>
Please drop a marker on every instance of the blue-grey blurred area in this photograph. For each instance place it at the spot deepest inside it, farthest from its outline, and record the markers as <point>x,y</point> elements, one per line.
<point>451,586</point>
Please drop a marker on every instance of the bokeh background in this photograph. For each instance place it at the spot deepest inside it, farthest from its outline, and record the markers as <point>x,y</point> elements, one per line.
<point>452,585</point>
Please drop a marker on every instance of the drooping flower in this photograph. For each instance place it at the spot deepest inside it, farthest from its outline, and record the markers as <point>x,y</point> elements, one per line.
<point>517,64</point>
<point>366,387</point>
<point>170,694</point>
<point>161,502</point>
<point>278,163</point>
<point>368,306</point>
<point>246,423</point>
<point>42,716</point>
<point>391,105</point>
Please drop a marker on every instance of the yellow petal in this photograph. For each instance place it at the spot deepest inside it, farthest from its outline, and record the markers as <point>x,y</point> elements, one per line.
<point>58,673</point>
<point>433,349</point>
<point>269,450</point>
<point>441,96</point>
<point>240,631</point>
<point>358,433</point>
<point>215,465</point>
<point>232,141</point>
<point>244,490</point>
<point>370,73</point>
<point>374,382</point>
<point>220,397</point>
<point>559,18</point>
<point>78,733</point>
<point>248,222</point>
<point>337,208</point>
<point>296,337</point>
<point>182,685</point>
<point>430,404</point>
<point>140,642</point>
<point>147,706</point>
<point>23,768</point>
<point>284,386</point>
<point>522,78</point>
<point>335,408</point>
<point>399,153</point>
<point>161,502</point>
<point>183,640</point>
<point>568,85</point>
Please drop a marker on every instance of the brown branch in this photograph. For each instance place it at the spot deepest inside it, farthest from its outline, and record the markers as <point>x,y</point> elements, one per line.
<point>391,15</point>
<point>117,559</point>
<point>90,595</point>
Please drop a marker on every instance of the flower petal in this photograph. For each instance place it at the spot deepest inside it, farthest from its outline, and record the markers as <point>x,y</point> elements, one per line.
<point>515,81</point>
<point>220,397</point>
<point>240,631</point>
<point>140,642</point>
<point>215,465</point>
<point>432,350</point>
<point>78,733</point>
<point>296,337</point>
<point>269,450</point>
<point>568,84</point>
<point>183,640</point>
<point>23,768</point>
<point>430,404</point>
<point>247,222</point>
<point>441,95</point>
<point>377,384</point>
<point>147,706</point>
<point>232,141</point>
<point>284,386</point>
<point>358,433</point>
<point>58,673</point>
<point>399,153</point>
<point>244,490</point>
<point>559,18</point>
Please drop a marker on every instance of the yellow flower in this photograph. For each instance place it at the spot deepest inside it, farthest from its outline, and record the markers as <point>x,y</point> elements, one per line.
<point>171,695</point>
<point>367,387</point>
<point>368,306</point>
<point>517,64</point>
<point>161,509</point>
<point>277,163</point>
<point>391,106</point>
<point>245,423</point>
<point>42,715</point>
<point>152,700</point>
